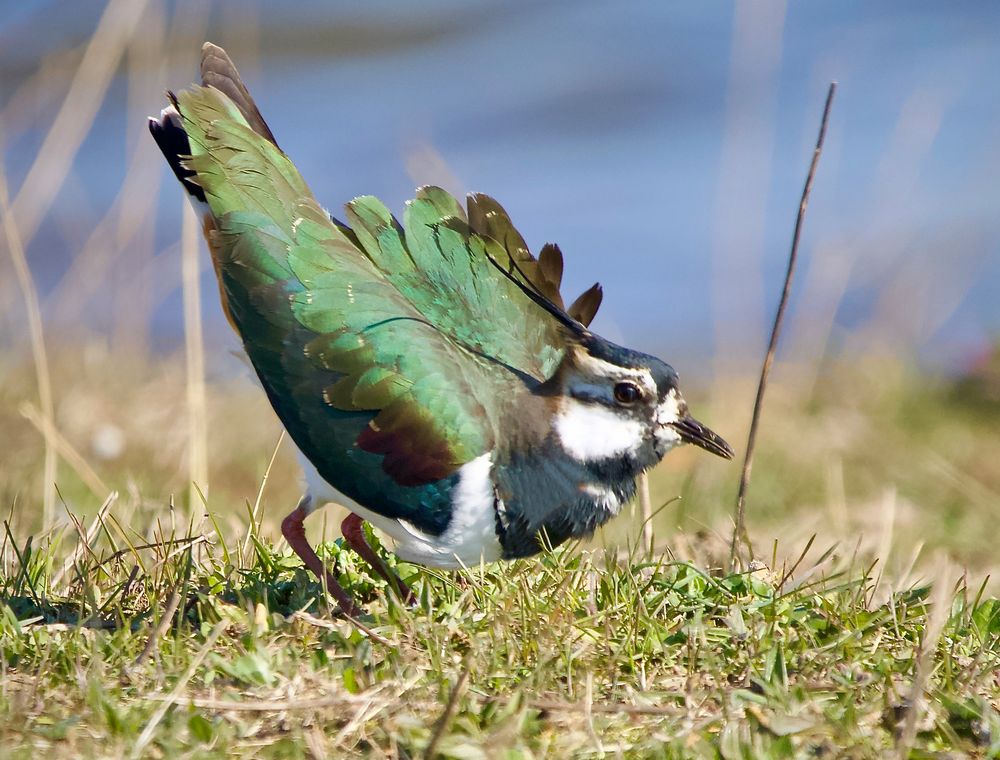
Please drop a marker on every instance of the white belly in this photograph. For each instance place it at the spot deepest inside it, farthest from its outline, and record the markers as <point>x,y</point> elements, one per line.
<point>471,535</point>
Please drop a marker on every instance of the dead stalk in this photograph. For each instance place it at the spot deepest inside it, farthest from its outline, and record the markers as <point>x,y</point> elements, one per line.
<point>86,539</point>
<point>37,336</point>
<point>65,449</point>
<point>444,722</point>
<point>739,527</point>
<point>161,627</point>
<point>647,513</point>
<point>940,603</point>
<point>172,698</point>
<point>77,112</point>
<point>194,350</point>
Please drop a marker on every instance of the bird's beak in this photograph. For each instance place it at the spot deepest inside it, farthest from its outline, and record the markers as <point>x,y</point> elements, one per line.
<point>692,431</point>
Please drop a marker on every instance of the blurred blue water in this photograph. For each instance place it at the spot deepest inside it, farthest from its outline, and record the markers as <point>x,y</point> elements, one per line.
<point>602,126</point>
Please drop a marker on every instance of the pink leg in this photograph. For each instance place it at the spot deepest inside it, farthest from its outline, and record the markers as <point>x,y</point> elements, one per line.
<point>294,532</point>
<point>355,537</point>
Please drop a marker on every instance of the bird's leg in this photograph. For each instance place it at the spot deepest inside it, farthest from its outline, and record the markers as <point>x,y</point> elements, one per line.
<point>295,533</point>
<point>355,537</point>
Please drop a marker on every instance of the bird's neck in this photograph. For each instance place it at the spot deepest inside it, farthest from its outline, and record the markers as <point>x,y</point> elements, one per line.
<point>547,494</point>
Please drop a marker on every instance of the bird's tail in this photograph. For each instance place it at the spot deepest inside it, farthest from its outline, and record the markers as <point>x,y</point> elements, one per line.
<point>218,71</point>
<point>226,158</point>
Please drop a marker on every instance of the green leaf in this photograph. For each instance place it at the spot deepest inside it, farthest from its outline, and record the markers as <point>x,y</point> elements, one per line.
<point>201,728</point>
<point>986,618</point>
<point>351,681</point>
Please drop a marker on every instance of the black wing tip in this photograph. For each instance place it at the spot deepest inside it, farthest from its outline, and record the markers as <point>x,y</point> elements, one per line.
<point>172,140</point>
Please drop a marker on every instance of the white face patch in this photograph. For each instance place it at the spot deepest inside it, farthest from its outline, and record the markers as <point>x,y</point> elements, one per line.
<point>666,439</point>
<point>592,432</point>
<point>667,412</point>
<point>669,409</point>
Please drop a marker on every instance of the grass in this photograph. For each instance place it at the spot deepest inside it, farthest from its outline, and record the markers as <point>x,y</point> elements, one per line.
<point>163,631</point>
<point>578,654</point>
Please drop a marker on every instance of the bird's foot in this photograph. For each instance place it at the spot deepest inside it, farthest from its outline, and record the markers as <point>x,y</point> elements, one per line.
<point>354,535</point>
<point>293,530</point>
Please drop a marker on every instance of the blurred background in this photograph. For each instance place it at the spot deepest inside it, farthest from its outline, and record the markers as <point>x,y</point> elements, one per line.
<point>662,145</point>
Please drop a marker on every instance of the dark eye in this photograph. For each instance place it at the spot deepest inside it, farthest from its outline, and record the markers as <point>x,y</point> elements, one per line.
<point>627,393</point>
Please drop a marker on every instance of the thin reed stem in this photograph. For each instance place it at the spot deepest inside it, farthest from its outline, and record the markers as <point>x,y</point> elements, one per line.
<point>65,450</point>
<point>647,512</point>
<point>194,351</point>
<point>76,114</point>
<point>739,527</point>
<point>37,337</point>
<point>942,594</point>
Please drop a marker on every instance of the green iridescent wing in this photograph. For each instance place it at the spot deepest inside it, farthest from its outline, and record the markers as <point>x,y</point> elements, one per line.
<point>380,344</point>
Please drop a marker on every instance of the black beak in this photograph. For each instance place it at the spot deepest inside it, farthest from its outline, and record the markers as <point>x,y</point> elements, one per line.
<point>692,431</point>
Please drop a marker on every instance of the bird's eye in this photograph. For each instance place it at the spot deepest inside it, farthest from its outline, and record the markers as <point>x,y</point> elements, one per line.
<point>627,393</point>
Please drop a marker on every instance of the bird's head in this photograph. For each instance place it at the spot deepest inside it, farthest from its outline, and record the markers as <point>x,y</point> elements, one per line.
<point>615,409</point>
<point>613,404</point>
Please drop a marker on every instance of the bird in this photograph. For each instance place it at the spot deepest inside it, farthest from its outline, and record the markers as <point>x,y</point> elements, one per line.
<point>426,368</point>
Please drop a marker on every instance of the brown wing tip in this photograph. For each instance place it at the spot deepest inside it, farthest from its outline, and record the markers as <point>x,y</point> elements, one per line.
<point>219,71</point>
<point>215,59</point>
<point>550,261</point>
<point>584,308</point>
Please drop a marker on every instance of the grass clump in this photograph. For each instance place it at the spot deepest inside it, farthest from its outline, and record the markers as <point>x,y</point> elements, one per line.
<point>204,652</point>
<point>135,625</point>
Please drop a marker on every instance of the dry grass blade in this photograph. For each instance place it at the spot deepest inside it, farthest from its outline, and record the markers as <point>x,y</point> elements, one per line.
<point>255,515</point>
<point>604,708</point>
<point>154,721</point>
<point>28,100</point>
<point>76,115</point>
<point>321,623</point>
<point>940,603</point>
<point>161,627</point>
<point>85,539</point>
<point>65,449</point>
<point>273,705</point>
<point>30,294</point>
<point>646,506</point>
<point>426,166</point>
<point>450,709</point>
<point>739,527</point>
<point>194,350</point>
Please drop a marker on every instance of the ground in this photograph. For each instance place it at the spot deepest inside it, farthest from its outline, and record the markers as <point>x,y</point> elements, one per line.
<point>867,625</point>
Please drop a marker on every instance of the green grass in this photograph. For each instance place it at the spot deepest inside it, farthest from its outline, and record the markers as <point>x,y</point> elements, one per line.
<point>178,632</point>
<point>578,654</point>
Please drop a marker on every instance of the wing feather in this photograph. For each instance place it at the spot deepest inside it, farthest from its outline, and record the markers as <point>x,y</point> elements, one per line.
<point>393,347</point>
